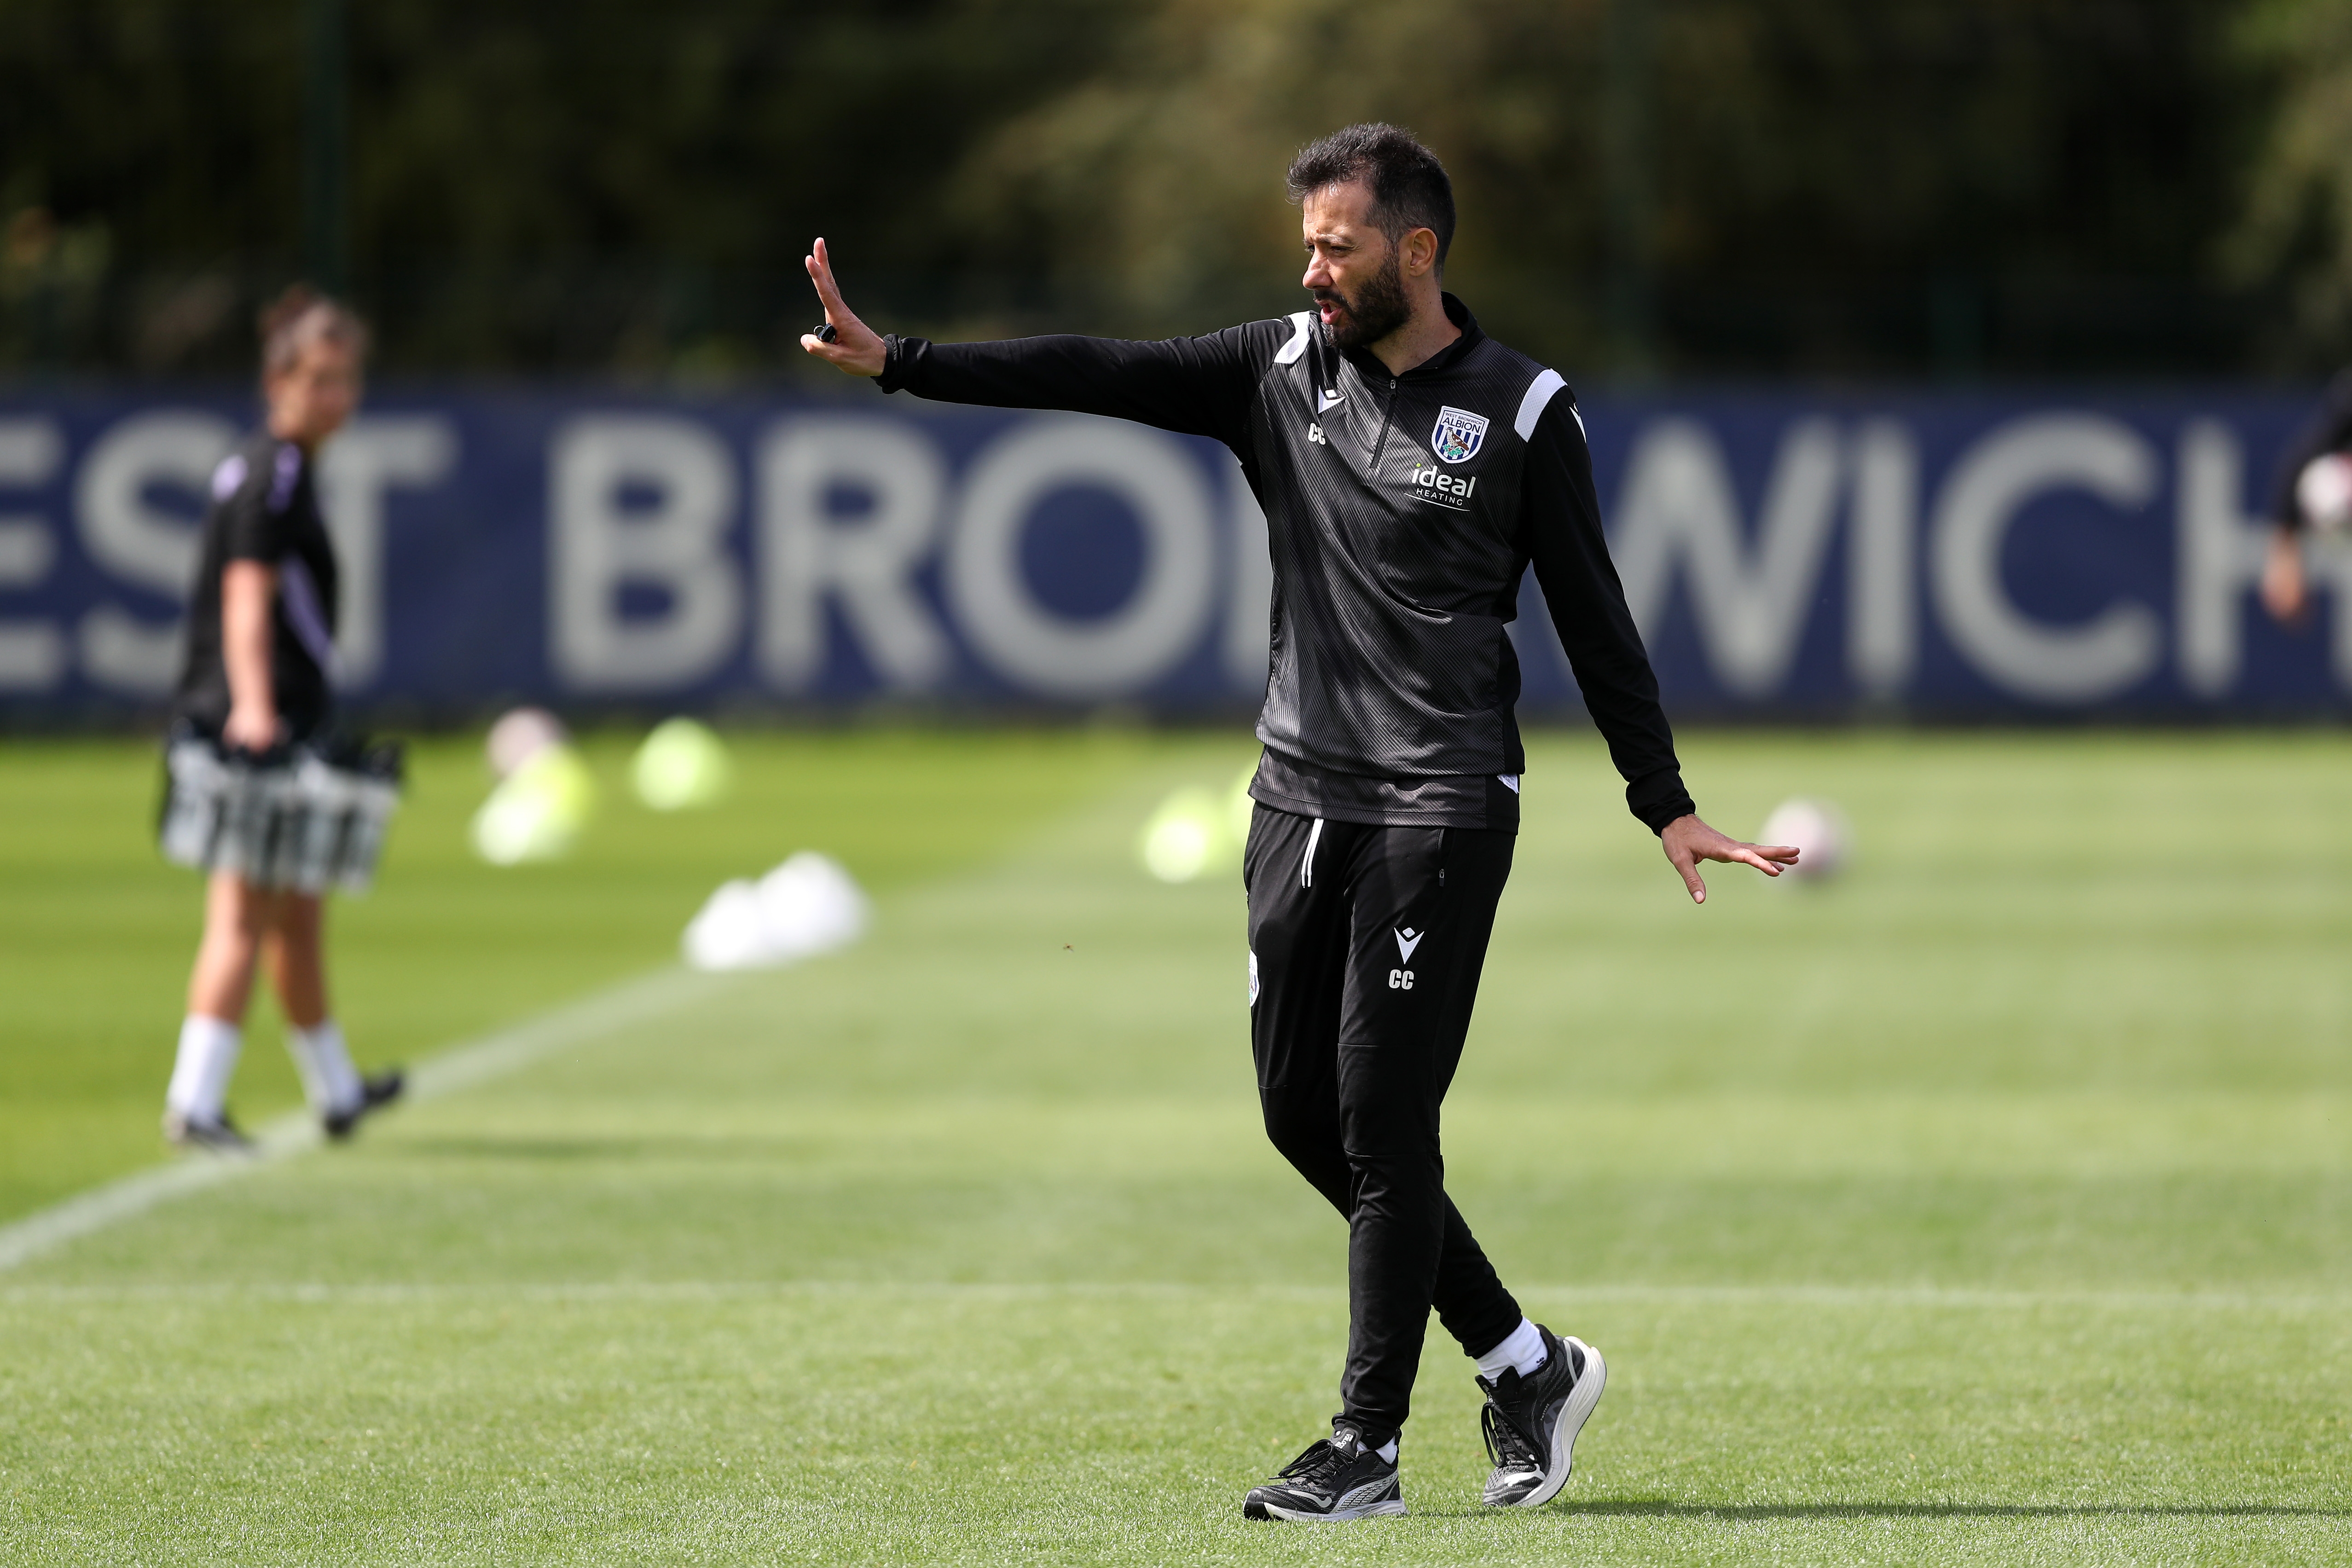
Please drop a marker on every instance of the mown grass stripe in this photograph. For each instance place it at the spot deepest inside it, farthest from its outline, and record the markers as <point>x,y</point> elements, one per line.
<point>1852,1296</point>
<point>461,1066</point>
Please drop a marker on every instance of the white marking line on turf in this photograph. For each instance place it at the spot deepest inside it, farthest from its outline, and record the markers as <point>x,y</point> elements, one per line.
<point>1941,1296</point>
<point>459,1067</point>
<point>866,1289</point>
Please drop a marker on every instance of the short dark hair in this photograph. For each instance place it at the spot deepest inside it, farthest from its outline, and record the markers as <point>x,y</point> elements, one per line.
<point>298,317</point>
<point>1410,190</point>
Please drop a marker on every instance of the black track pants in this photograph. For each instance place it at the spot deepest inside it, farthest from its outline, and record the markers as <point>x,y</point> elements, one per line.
<point>1365,947</point>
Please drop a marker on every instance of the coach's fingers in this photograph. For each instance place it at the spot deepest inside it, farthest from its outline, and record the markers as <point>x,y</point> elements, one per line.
<point>819,263</point>
<point>837,353</point>
<point>1686,862</point>
<point>858,353</point>
<point>820,270</point>
<point>855,350</point>
<point>1750,854</point>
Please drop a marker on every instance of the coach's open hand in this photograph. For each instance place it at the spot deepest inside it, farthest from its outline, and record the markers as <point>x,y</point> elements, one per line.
<point>856,351</point>
<point>1687,840</point>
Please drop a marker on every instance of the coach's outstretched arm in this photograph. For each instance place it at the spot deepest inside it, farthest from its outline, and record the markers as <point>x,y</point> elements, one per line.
<point>1194,386</point>
<point>1570,556</point>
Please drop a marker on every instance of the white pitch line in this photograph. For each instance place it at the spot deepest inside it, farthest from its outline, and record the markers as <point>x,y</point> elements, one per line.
<point>459,1067</point>
<point>1985,1298</point>
<point>599,1013</point>
<point>141,1190</point>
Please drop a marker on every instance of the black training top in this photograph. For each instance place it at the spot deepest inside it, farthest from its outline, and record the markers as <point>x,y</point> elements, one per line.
<point>2328,430</point>
<point>1402,512</point>
<point>265,508</point>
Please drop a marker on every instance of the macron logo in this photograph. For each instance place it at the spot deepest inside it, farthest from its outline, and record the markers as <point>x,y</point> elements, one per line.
<point>1323,401</point>
<point>1407,940</point>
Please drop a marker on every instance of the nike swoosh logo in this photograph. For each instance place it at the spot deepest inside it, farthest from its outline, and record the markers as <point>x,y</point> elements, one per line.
<point>1325,399</point>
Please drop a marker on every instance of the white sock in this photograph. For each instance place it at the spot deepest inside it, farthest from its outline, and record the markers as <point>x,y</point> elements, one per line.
<point>1522,1351</point>
<point>329,1080</point>
<point>1388,1451</point>
<point>200,1073</point>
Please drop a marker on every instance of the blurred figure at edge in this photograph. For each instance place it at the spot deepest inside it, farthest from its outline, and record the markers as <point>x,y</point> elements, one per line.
<point>253,686</point>
<point>2286,592</point>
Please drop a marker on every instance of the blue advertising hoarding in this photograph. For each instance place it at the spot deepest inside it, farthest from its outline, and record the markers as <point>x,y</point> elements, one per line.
<point>1997,555</point>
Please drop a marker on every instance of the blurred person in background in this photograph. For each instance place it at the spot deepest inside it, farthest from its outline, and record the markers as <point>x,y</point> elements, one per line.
<point>252,798</point>
<point>2312,492</point>
<point>1412,470</point>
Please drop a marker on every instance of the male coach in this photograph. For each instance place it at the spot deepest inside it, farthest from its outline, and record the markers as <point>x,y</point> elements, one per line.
<point>1410,468</point>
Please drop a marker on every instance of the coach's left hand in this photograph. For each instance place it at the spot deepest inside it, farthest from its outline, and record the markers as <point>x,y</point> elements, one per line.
<point>857,350</point>
<point>1687,840</point>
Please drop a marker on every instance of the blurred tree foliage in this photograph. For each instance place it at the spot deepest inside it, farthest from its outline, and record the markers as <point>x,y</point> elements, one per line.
<point>1833,185</point>
<point>2297,226</point>
<point>1694,187</point>
<point>589,183</point>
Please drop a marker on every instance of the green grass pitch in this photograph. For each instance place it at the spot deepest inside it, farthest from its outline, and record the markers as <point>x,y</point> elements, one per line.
<point>1992,1204</point>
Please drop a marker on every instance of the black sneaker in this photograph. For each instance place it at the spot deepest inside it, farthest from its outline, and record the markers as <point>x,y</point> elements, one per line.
<point>218,1136</point>
<point>1336,1478</point>
<point>1530,1423</point>
<point>375,1094</point>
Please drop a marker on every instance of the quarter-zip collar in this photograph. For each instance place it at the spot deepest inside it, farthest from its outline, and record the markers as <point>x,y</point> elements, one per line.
<point>1368,364</point>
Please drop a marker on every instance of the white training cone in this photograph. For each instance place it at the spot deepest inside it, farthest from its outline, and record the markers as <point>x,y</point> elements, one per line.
<point>727,933</point>
<point>805,906</point>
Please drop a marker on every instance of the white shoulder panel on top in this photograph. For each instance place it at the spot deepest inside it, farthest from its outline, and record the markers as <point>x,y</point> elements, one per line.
<point>1531,406</point>
<point>1302,322</point>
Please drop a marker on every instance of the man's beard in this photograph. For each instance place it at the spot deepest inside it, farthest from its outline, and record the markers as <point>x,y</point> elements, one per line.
<point>1379,309</point>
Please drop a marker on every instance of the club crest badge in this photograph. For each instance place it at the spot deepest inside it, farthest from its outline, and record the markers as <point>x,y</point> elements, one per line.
<point>1458,435</point>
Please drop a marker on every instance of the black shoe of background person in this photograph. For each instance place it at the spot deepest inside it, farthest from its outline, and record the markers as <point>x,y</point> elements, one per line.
<point>219,1137</point>
<point>375,1094</point>
<point>1530,1423</point>
<point>1336,1478</point>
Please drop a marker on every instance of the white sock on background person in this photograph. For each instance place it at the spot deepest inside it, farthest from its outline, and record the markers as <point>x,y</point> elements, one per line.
<point>200,1073</point>
<point>1522,1351</point>
<point>329,1080</point>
